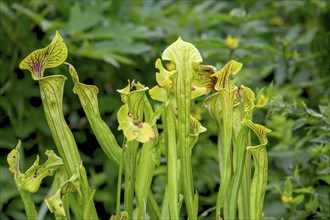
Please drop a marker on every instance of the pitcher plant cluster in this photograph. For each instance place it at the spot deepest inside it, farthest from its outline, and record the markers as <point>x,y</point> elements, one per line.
<point>243,167</point>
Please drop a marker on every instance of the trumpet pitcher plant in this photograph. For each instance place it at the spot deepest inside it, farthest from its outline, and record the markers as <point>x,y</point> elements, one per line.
<point>243,166</point>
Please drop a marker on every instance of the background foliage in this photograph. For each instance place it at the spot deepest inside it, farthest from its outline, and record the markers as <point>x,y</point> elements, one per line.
<point>284,46</point>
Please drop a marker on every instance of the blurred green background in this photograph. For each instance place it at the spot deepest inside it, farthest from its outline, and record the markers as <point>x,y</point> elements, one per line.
<point>284,46</point>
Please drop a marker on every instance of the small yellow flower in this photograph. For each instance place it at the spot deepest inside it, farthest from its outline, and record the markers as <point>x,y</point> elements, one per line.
<point>277,21</point>
<point>262,101</point>
<point>295,54</point>
<point>286,199</point>
<point>232,42</point>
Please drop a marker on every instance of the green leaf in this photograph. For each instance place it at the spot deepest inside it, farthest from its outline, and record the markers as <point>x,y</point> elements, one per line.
<point>225,123</point>
<point>156,115</point>
<point>183,55</point>
<point>133,127</point>
<point>89,101</point>
<point>13,160</point>
<point>51,56</point>
<point>196,129</point>
<point>260,176</point>
<point>181,50</point>
<point>312,204</point>
<point>236,183</point>
<point>51,89</point>
<point>259,130</point>
<point>213,105</point>
<point>165,83</point>
<point>231,68</point>
<point>225,18</point>
<point>196,203</point>
<point>82,19</point>
<point>132,94</point>
<point>33,15</point>
<point>248,99</point>
<point>89,205</point>
<point>288,187</point>
<point>78,184</point>
<point>308,189</point>
<point>298,199</point>
<point>55,202</point>
<point>36,173</point>
<point>31,179</point>
<point>203,76</point>
<point>198,91</point>
<point>158,93</point>
<point>166,79</point>
<point>130,118</point>
<point>163,76</point>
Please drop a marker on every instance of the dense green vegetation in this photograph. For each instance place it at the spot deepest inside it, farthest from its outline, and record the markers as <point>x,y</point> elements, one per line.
<point>284,46</point>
